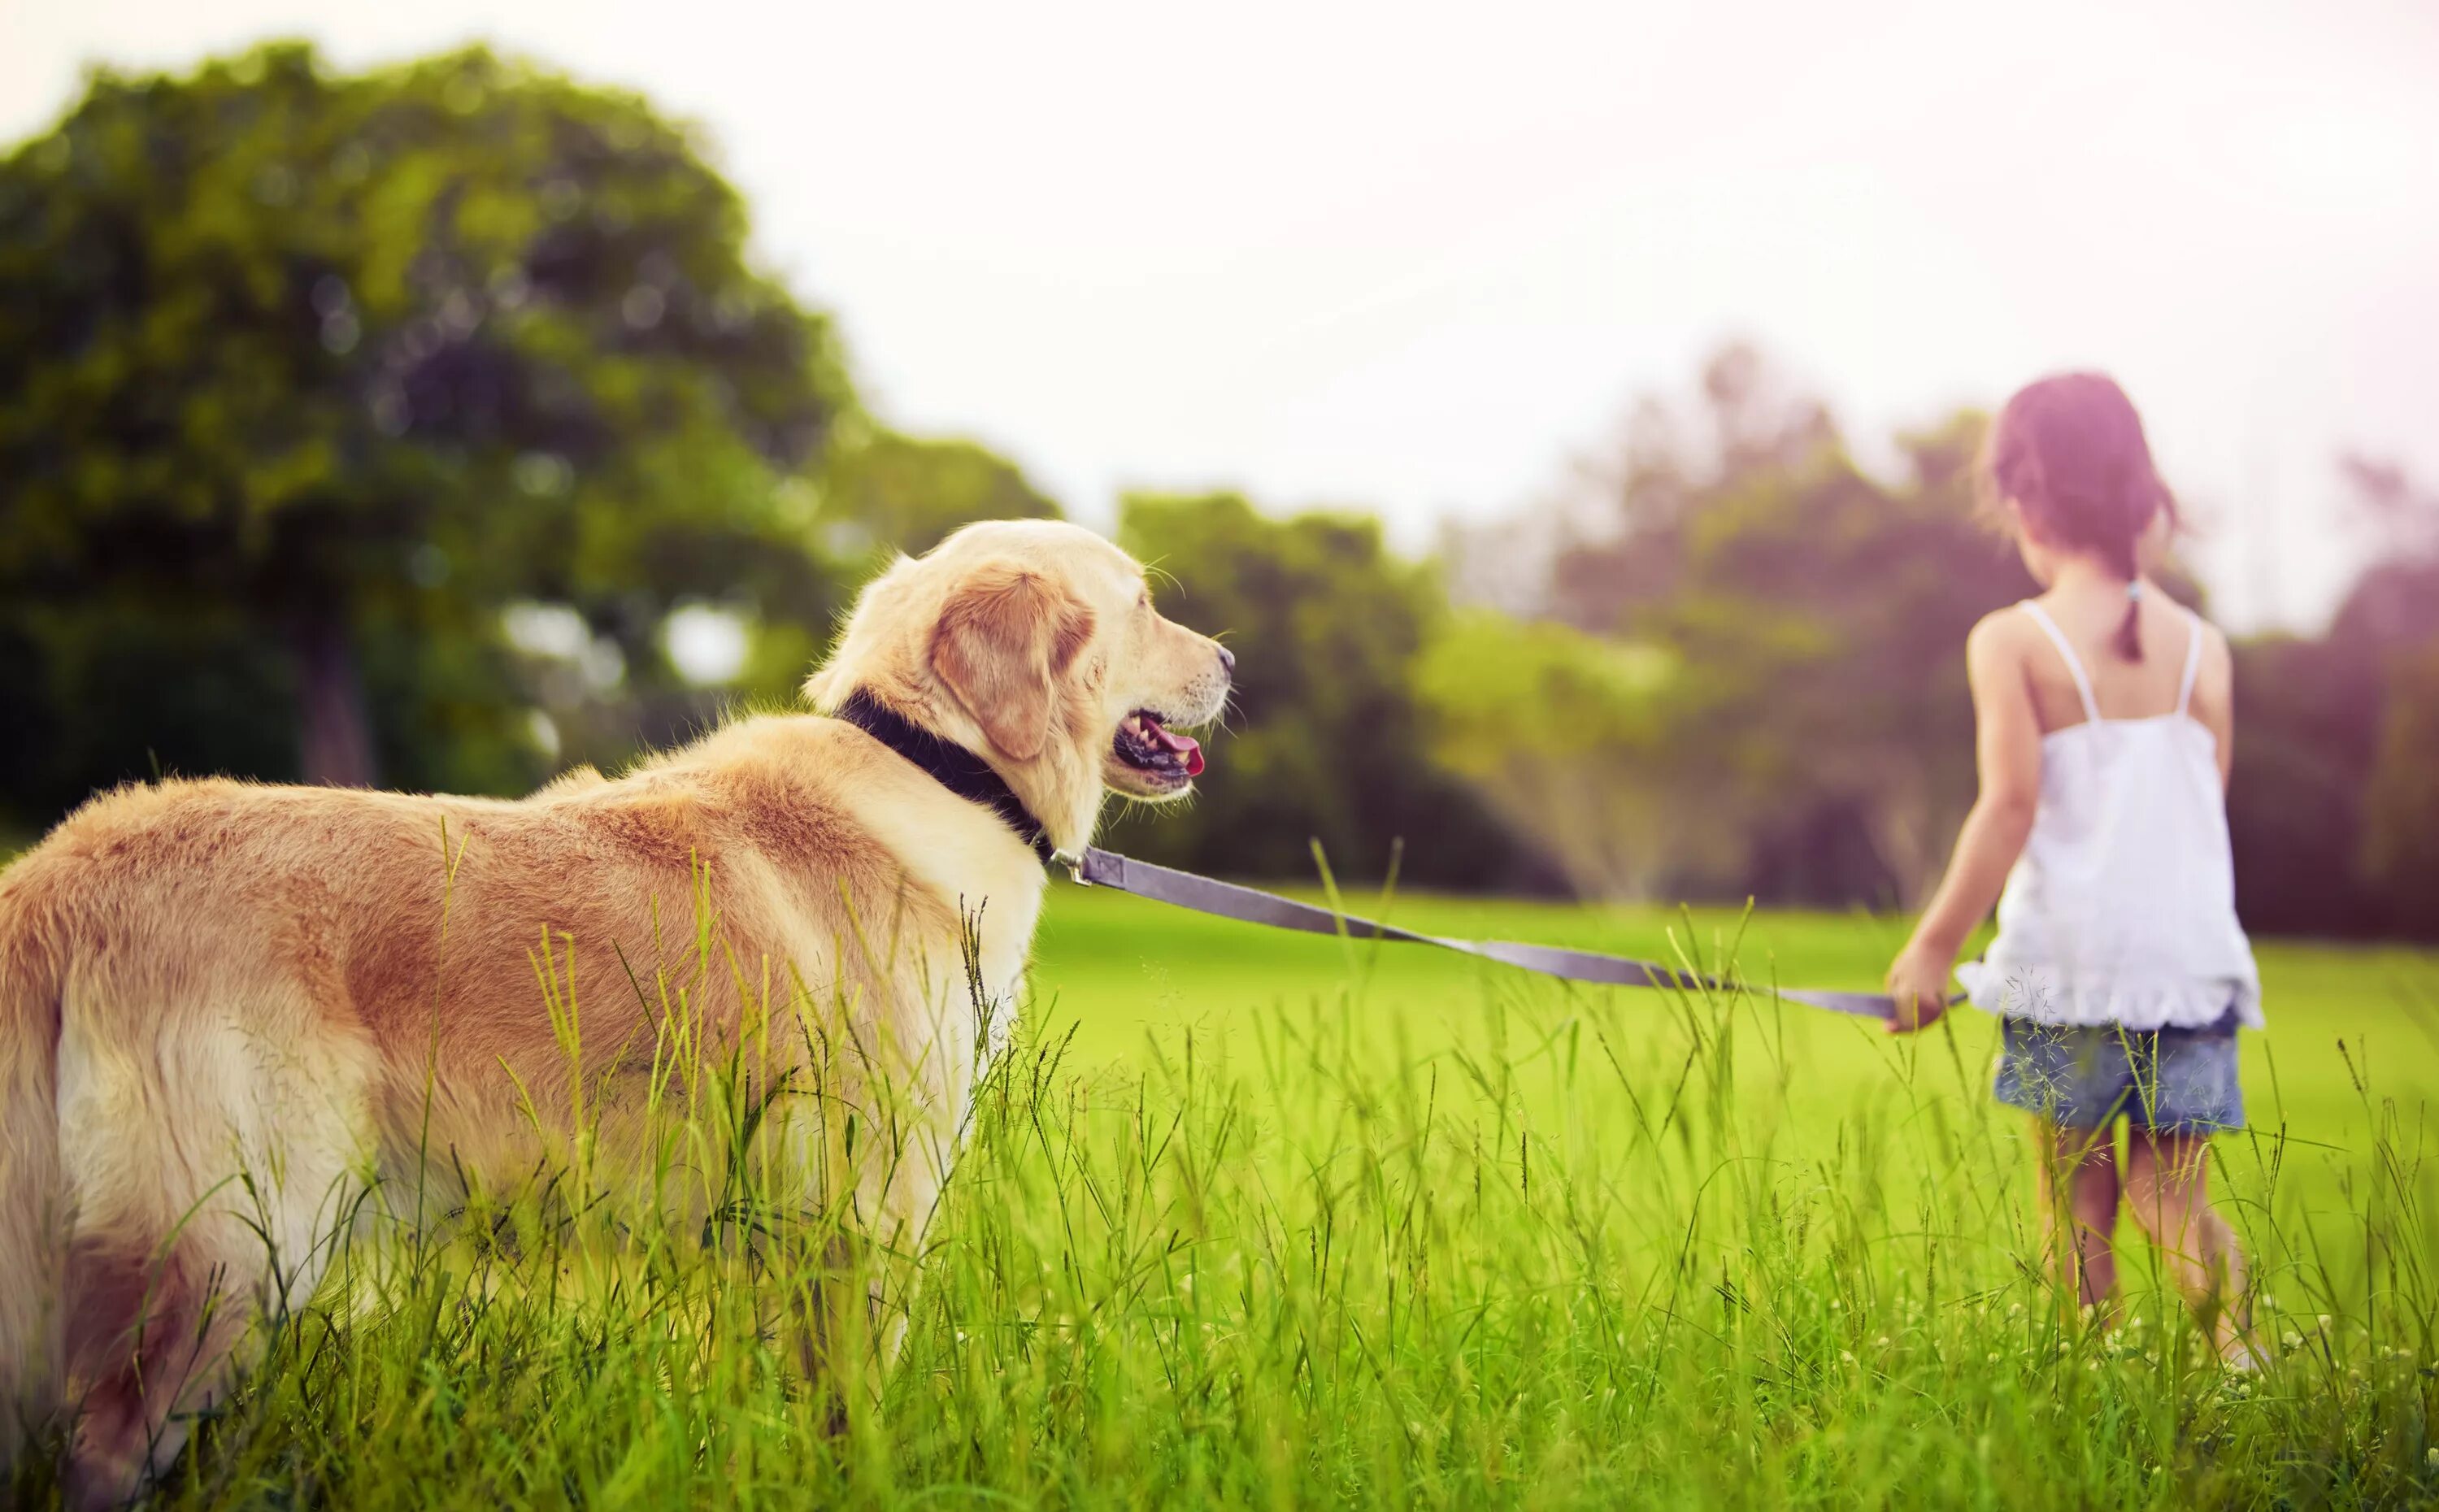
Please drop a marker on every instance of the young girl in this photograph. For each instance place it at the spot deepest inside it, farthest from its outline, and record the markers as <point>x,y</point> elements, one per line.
<point>2104,720</point>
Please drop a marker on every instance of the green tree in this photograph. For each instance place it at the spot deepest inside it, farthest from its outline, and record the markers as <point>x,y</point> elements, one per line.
<point>329,368</point>
<point>1565,735</point>
<point>1628,521</point>
<point>2400,831</point>
<point>878,492</point>
<point>2329,804</point>
<point>1812,740</point>
<point>2307,726</point>
<point>1828,614</point>
<point>2368,729</point>
<point>1327,741</point>
<point>882,490</point>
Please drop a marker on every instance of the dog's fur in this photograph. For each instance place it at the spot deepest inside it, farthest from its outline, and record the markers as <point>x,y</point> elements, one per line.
<point>200,979</point>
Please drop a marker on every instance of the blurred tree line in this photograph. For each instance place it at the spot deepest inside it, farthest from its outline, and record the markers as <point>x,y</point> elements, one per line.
<point>1329,742</point>
<point>431,427</point>
<point>1729,663</point>
<point>382,428</point>
<point>2335,803</point>
<point>1751,669</point>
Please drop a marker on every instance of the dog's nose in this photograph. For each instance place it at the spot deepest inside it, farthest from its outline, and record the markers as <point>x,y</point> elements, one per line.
<point>1227,661</point>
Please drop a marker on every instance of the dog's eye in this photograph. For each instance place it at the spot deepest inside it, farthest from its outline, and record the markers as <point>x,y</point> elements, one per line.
<point>1143,599</point>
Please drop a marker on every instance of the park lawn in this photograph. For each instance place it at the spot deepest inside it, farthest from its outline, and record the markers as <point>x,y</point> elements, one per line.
<point>2354,1030</point>
<point>1252,1218</point>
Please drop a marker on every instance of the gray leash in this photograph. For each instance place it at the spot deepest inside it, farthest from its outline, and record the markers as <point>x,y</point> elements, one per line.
<point>1163,884</point>
<point>973,780</point>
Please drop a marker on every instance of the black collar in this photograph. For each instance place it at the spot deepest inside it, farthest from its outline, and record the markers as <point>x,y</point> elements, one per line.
<point>952,767</point>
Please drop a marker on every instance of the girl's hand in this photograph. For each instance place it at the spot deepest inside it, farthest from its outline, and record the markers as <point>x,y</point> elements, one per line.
<point>1918,982</point>
<point>2008,746</point>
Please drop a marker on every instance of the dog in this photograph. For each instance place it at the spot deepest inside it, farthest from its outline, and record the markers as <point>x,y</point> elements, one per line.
<point>201,980</point>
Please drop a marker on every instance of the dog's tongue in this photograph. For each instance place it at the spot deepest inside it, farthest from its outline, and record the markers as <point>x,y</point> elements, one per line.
<point>1184,745</point>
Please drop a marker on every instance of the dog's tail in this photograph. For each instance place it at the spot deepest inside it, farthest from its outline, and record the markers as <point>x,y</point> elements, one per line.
<point>33,1220</point>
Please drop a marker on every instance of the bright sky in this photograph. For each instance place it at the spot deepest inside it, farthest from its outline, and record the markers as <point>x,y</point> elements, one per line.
<point>1348,255</point>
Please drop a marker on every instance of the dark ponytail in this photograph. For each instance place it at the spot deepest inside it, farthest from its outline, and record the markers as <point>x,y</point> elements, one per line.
<point>2128,640</point>
<point>2129,630</point>
<point>2070,451</point>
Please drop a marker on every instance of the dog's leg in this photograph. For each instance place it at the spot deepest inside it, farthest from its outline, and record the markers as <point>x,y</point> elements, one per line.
<point>151,1344</point>
<point>159,1342</point>
<point>207,1209</point>
<point>830,1323</point>
<point>842,1265</point>
<point>823,1261</point>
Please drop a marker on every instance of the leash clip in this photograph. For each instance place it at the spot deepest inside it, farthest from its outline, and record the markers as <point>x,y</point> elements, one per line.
<point>1073,861</point>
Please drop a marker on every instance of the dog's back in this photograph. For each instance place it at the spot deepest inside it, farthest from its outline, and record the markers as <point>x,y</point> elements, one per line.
<point>221,1004</point>
<point>224,1007</point>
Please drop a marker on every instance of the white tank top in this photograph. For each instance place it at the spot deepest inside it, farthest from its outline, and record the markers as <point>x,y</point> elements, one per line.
<point>2121,909</point>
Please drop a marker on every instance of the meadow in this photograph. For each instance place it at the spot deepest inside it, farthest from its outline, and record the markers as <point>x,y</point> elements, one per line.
<point>1252,1219</point>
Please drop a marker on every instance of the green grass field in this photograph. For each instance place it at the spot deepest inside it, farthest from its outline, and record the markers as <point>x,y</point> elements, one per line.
<point>1266,1220</point>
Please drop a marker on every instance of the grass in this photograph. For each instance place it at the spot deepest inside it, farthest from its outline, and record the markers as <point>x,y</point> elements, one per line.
<point>1264,1220</point>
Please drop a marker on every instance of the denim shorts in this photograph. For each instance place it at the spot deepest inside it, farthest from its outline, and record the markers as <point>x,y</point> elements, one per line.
<point>2172,1081</point>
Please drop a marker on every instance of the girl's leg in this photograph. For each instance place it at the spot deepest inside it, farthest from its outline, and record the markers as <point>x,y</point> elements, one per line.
<point>2079,1209</point>
<point>2168,1180</point>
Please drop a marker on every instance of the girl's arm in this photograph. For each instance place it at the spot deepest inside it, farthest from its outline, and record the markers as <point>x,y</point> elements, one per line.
<point>2007,751</point>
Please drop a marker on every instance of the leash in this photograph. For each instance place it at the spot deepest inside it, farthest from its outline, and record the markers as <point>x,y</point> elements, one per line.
<point>971,778</point>
<point>1250,905</point>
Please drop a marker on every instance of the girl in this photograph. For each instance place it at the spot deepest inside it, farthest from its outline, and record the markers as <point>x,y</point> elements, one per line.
<point>2104,719</point>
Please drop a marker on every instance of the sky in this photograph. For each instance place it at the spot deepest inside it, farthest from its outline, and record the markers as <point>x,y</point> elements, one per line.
<point>1416,258</point>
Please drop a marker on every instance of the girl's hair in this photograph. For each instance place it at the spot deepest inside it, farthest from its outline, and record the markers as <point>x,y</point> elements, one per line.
<point>2070,451</point>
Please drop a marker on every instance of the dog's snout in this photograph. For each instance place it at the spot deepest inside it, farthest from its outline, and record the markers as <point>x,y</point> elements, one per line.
<point>1227,661</point>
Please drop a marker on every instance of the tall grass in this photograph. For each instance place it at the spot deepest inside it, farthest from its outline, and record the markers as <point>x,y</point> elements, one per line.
<point>1514,1254</point>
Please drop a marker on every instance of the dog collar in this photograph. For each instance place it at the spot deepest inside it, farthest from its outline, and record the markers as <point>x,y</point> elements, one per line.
<point>952,767</point>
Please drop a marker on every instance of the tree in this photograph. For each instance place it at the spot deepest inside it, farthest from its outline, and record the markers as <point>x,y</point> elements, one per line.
<point>1327,741</point>
<point>341,364</point>
<point>1829,612</point>
<point>2400,832</point>
<point>884,490</point>
<point>2330,806</point>
<point>2395,605</point>
<point>1812,738</point>
<point>1565,735</point>
<point>2391,618</point>
<point>878,492</point>
<point>1630,520</point>
<point>2307,716</point>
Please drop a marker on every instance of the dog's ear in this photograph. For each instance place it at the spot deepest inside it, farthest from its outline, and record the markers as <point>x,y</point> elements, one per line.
<point>1005,638</point>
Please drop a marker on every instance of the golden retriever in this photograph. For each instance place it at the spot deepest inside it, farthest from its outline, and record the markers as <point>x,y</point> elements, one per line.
<point>340,994</point>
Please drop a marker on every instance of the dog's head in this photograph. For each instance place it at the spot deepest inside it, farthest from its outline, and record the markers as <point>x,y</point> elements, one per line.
<point>1035,644</point>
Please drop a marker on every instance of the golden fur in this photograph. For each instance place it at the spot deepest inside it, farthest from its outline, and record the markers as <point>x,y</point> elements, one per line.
<point>201,977</point>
